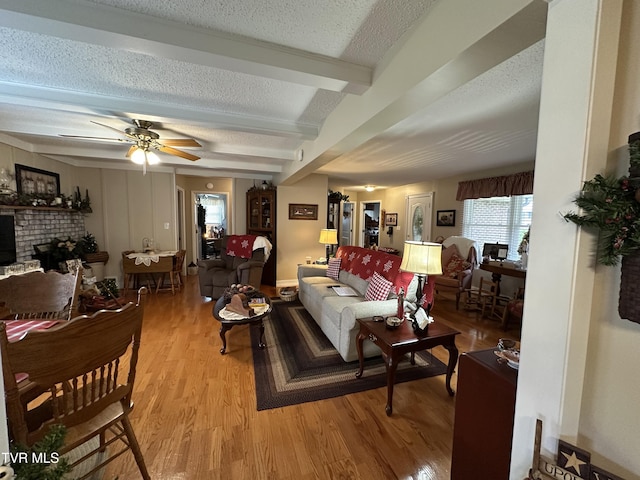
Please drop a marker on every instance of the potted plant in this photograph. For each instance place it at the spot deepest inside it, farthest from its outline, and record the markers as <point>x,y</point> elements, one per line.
<point>63,250</point>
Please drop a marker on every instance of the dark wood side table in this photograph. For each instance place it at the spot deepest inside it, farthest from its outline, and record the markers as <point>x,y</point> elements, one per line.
<point>398,342</point>
<point>228,324</point>
<point>483,426</point>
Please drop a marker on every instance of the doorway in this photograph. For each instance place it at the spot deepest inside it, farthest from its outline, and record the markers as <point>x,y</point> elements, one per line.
<point>419,211</point>
<point>370,223</point>
<point>211,214</point>
<point>346,224</point>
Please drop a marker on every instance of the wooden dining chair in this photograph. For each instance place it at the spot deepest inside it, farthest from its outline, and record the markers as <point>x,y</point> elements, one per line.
<point>82,368</point>
<point>481,298</point>
<point>175,274</point>
<point>38,295</point>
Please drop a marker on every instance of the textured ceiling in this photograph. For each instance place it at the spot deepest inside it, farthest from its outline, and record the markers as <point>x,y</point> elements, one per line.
<point>255,83</point>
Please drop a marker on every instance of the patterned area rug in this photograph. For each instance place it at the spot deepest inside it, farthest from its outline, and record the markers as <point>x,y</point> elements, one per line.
<point>299,364</point>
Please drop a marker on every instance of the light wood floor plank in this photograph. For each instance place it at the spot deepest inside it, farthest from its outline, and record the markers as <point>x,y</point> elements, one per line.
<point>196,418</point>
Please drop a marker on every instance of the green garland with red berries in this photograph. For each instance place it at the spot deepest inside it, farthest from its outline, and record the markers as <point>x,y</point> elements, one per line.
<point>609,205</point>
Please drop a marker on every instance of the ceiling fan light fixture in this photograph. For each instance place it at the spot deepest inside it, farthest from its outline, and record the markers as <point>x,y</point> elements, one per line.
<point>138,156</point>
<point>152,158</point>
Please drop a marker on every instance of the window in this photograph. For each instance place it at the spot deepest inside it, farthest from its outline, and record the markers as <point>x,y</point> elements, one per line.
<point>215,210</point>
<point>498,220</point>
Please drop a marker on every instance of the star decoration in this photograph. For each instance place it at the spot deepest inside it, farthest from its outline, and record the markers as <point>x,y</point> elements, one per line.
<point>573,462</point>
<point>388,265</point>
<point>366,259</point>
<point>245,243</point>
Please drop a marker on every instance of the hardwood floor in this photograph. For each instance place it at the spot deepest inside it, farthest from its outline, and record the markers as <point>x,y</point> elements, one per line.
<point>195,415</point>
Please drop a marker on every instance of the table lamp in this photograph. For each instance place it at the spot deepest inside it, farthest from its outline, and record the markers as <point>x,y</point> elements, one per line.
<point>328,236</point>
<point>421,258</point>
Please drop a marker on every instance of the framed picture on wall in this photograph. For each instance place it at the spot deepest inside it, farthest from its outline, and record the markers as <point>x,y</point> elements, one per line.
<point>299,211</point>
<point>33,181</point>
<point>391,219</point>
<point>446,218</point>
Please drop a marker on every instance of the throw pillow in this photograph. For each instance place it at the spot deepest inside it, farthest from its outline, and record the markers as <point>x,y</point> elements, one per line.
<point>455,266</point>
<point>333,270</point>
<point>379,288</point>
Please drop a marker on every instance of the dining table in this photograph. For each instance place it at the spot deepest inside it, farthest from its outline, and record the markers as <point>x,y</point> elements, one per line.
<point>154,264</point>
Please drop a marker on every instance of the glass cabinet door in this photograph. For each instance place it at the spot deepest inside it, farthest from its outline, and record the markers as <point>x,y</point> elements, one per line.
<point>266,211</point>
<point>254,219</point>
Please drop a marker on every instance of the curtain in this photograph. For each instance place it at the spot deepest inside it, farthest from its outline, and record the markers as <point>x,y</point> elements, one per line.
<point>215,210</point>
<point>504,186</point>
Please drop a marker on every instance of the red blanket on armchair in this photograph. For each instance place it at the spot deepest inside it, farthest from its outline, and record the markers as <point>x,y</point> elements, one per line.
<point>240,245</point>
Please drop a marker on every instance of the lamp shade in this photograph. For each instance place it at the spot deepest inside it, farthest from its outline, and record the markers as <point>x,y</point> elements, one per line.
<point>422,258</point>
<point>328,236</point>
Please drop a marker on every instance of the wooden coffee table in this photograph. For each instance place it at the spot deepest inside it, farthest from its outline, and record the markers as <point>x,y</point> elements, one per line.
<point>227,324</point>
<point>396,343</point>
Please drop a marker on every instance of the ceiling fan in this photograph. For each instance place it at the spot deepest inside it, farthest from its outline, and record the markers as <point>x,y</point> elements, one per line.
<point>144,139</point>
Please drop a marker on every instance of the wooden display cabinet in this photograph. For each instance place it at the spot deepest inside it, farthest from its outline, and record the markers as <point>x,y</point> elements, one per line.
<point>261,220</point>
<point>485,407</point>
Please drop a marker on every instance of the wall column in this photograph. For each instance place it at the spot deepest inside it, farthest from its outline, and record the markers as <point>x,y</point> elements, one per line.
<point>575,118</point>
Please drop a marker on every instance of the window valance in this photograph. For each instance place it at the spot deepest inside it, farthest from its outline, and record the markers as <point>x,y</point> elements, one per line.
<point>504,186</point>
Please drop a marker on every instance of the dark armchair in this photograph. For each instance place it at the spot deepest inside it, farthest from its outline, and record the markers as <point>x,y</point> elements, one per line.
<point>457,268</point>
<point>215,275</point>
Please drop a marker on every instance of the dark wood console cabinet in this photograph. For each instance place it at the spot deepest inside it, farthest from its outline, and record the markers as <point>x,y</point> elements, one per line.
<point>483,428</point>
<point>261,220</point>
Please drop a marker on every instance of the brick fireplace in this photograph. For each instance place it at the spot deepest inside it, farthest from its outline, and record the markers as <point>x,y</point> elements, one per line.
<point>36,226</point>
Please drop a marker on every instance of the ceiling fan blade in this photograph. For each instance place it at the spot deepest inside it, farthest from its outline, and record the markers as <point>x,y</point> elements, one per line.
<point>132,149</point>
<point>180,142</point>
<point>105,139</point>
<point>120,132</point>
<point>177,153</point>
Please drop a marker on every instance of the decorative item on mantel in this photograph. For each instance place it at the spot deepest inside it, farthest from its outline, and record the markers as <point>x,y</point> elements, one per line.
<point>90,251</point>
<point>611,206</point>
<point>5,181</point>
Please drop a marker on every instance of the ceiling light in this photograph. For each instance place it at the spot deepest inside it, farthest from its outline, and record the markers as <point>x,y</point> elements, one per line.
<point>138,156</point>
<point>152,158</point>
<point>369,188</point>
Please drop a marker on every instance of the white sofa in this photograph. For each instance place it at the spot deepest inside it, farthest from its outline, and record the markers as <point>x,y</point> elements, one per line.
<point>337,315</point>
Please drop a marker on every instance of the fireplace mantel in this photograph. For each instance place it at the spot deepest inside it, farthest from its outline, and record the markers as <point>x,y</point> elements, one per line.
<point>40,209</point>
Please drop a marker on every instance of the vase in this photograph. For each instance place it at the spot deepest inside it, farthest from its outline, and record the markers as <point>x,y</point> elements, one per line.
<point>628,305</point>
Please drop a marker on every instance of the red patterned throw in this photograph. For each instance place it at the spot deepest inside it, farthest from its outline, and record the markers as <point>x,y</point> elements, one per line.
<point>240,245</point>
<point>363,263</point>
